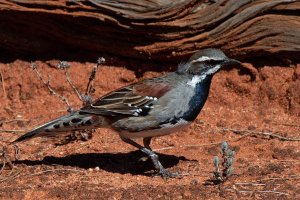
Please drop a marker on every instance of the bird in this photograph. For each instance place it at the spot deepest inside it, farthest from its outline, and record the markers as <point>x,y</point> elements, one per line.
<point>149,108</point>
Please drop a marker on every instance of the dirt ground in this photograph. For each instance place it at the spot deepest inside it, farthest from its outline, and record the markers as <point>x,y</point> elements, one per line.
<point>261,100</point>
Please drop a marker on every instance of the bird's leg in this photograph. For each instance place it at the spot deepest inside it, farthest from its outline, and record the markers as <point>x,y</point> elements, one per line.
<point>147,141</point>
<point>154,157</point>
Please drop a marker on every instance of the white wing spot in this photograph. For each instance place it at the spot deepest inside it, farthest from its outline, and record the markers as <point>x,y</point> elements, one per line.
<point>148,106</point>
<point>151,98</point>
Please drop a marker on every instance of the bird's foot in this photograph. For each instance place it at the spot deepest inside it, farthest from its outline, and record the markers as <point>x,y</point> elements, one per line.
<point>165,174</point>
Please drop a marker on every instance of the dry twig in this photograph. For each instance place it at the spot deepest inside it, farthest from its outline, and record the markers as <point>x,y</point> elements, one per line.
<point>258,182</point>
<point>286,124</point>
<point>18,174</point>
<point>6,158</point>
<point>52,170</point>
<point>261,133</point>
<point>11,130</point>
<point>11,177</point>
<point>257,186</point>
<point>278,178</point>
<point>14,120</point>
<point>262,191</point>
<point>3,84</point>
<point>249,183</point>
<point>17,151</point>
<point>51,90</point>
<point>85,98</point>
<point>90,89</point>
<point>201,145</point>
<point>66,67</point>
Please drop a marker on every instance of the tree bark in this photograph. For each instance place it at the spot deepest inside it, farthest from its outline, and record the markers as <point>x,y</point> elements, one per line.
<point>160,30</point>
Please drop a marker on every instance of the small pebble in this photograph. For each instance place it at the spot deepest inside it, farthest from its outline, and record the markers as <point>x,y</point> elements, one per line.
<point>97,168</point>
<point>194,182</point>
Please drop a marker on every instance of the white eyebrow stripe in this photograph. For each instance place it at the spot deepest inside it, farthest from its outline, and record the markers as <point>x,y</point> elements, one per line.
<point>202,58</point>
<point>205,58</point>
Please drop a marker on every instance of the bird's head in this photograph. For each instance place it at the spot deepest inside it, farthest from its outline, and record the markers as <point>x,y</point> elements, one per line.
<point>206,62</point>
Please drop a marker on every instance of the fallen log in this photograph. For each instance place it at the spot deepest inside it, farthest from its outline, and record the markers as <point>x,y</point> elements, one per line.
<point>149,29</point>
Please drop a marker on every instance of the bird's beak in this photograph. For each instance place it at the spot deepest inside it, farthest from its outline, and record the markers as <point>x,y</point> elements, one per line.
<point>232,62</point>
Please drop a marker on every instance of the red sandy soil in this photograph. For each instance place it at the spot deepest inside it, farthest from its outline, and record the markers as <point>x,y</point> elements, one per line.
<point>264,99</point>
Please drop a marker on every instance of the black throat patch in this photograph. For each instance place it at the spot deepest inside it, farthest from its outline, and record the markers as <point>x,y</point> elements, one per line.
<point>198,100</point>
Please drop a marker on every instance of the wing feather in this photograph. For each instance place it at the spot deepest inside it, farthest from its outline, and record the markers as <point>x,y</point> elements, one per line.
<point>135,99</point>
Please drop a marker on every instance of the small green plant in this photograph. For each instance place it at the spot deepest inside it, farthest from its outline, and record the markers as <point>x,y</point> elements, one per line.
<point>224,168</point>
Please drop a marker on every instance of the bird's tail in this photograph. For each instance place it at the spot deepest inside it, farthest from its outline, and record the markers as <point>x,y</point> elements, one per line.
<point>71,122</point>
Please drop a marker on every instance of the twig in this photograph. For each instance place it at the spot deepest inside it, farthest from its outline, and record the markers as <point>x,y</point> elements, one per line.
<point>275,192</point>
<point>278,160</point>
<point>201,145</point>
<point>3,166</point>
<point>164,148</point>
<point>47,84</point>
<point>11,130</point>
<point>18,174</point>
<point>52,170</point>
<point>186,146</point>
<point>267,134</point>
<point>286,124</point>
<point>278,178</point>
<point>3,84</point>
<point>89,88</point>
<point>66,67</point>
<point>258,182</point>
<point>14,120</point>
<point>6,158</point>
<point>12,177</point>
<point>232,140</point>
<point>249,183</point>
<point>264,191</point>
<point>17,151</point>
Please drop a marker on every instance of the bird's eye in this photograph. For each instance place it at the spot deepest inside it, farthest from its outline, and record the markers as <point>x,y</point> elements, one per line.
<point>212,62</point>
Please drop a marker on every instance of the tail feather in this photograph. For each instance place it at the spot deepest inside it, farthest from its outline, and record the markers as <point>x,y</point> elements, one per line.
<point>66,123</point>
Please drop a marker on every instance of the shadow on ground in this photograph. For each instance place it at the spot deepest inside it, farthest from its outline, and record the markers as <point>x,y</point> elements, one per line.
<point>112,162</point>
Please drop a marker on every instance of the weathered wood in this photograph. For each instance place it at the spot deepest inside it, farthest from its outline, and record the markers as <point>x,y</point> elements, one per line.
<point>149,29</point>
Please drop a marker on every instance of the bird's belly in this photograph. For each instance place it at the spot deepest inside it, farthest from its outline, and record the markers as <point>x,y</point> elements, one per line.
<point>154,132</point>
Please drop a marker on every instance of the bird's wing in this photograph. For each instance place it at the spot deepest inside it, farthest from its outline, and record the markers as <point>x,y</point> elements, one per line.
<point>133,100</point>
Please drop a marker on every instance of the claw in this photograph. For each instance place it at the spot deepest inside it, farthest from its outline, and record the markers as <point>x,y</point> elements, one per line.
<point>165,174</point>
